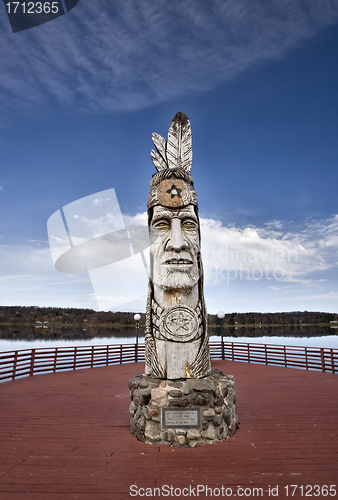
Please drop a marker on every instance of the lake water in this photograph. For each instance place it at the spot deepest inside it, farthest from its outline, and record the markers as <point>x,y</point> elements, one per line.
<point>28,338</point>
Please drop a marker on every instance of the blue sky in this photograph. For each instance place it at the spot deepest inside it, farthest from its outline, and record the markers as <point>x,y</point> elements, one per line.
<point>81,95</point>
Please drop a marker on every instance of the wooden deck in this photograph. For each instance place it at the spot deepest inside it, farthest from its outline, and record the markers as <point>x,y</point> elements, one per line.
<point>66,436</point>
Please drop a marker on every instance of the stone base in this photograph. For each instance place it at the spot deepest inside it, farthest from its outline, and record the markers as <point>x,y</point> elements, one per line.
<point>212,399</point>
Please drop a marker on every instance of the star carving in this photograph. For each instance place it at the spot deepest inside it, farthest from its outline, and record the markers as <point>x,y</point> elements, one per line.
<point>174,191</point>
<point>179,322</point>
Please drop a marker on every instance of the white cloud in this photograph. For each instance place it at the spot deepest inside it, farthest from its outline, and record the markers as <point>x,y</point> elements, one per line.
<point>307,257</point>
<point>254,253</point>
<point>28,258</point>
<point>129,55</point>
<point>317,296</point>
<point>140,219</point>
<point>28,277</point>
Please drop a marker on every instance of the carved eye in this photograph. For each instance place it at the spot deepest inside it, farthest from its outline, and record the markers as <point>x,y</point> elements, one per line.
<point>162,224</point>
<point>189,224</point>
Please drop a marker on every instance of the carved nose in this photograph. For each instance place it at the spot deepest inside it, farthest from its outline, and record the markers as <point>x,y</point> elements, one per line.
<point>176,242</point>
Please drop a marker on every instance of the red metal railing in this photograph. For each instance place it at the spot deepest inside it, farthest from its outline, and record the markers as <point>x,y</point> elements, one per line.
<point>307,358</point>
<point>28,362</point>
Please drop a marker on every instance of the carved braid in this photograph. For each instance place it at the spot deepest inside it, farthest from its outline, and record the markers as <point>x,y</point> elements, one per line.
<point>153,366</point>
<point>202,365</point>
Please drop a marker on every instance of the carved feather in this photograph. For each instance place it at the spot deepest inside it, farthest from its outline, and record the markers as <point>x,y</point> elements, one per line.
<point>159,157</point>
<point>158,161</point>
<point>160,144</point>
<point>179,144</point>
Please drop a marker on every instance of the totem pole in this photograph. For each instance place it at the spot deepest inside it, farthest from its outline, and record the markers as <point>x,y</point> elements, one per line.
<point>179,399</point>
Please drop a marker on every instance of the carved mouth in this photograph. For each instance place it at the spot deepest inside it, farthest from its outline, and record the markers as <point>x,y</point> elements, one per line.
<point>178,262</point>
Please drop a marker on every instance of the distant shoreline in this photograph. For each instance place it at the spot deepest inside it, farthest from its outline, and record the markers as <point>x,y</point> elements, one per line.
<point>119,326</point>
<point>88,319</point>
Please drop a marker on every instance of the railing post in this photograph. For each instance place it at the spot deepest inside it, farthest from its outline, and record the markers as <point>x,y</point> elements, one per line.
<point>121,354</point>
<point>232,349</point>
<point>266,354</point>
<point>14,364</point>
<point>323,359</point>
<point>306,360</point>
<point>285,360</point>
<point>107,355</point>
<point>136,341</point>
<point>222,338</point>
<point>75,354</point>
<point>248,352</point>
<point>31,372</point>
<point>332,362</point>
<point>92,360</point>
<point>55,358</point>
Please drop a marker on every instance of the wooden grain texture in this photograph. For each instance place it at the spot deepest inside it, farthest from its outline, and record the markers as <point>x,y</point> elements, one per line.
<point>66,436</point>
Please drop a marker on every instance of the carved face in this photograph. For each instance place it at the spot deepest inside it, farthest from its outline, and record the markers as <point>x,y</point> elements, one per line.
<point>174,247</point>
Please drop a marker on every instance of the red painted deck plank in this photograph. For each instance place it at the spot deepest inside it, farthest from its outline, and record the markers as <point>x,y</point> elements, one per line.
<point>66,436</point>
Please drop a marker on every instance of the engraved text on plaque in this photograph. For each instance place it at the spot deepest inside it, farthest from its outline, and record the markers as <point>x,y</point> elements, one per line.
<point>184,418</point>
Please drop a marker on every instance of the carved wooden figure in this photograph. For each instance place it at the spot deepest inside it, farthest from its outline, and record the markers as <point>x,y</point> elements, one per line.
<point>176,336</point>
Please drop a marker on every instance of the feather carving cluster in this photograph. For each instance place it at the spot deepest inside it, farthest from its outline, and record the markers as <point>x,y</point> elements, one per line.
<point>176,152</point>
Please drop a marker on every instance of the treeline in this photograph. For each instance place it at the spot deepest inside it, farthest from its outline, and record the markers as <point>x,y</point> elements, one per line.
<point>65,316</point>
<point>275,319</point>
<point>72,316</point>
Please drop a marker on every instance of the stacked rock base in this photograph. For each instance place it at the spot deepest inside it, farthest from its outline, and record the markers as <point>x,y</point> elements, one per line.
<point>185,413</point>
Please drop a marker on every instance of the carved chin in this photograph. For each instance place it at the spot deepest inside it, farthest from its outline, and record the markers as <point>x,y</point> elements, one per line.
<point>177,281</point>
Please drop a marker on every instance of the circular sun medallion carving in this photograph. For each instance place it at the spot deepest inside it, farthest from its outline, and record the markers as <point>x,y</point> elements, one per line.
<point>179,323</point>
